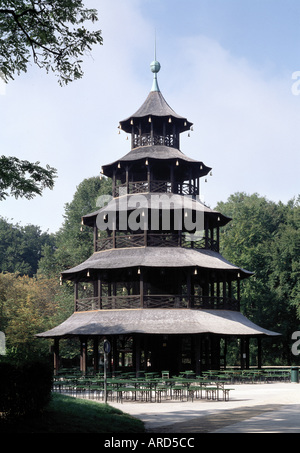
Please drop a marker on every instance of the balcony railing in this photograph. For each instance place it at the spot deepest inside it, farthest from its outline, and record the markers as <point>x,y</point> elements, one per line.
<point>184,188</point>
<point>150,140</point>
<point>154,240</point>
<point>156,301</point>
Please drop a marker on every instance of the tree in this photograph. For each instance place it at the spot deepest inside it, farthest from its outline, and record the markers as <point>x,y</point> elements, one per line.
<point>23,178</point>
<point>51,32</point>
<point>27,306</point>
<point>74,244</point>
<point>263,237</point>
<point>21,247</point>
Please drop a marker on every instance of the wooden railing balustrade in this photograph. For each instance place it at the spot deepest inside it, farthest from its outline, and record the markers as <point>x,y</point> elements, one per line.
<point>154,240</point>
<point>184,188</point>
<point>120,302</point>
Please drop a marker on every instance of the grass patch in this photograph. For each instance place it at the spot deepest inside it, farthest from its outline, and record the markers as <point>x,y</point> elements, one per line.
<point>65,414</point>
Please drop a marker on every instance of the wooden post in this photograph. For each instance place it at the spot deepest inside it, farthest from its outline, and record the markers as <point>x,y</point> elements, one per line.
<point>137,353</point>
<point>115,353</point>
<point>99,294</point>
<point>259,362</point>
<point>224,291</point>
<point>83,354</point>
<point>127,180</point>
<point>247,352</point>
<point>141,287</point>
<point>149,177</point>
<point>197,350</point>
<point>243,353</point>
<point>95,237</point>
<point>189,291</point>
<point>96,354</point>
<point>172,178</point>
<point>114,183</point>
<point>75,295</point>
<point>225,352</point>
<point>56,356</point>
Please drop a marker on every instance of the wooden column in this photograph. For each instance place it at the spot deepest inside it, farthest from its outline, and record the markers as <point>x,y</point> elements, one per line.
<point>75,295</point>
<point>224,290</point>
<point>127,180</point>
<point>206,233</point>
<point>238,292</point>
<point>197,351</point>
<point>83,354</point>
<point>96,354</point>
<point>115,353</point>
<point>247,352</point>
<point>149,177</point>
<point>189,288</point>
<point>95,237</point>
<point>56,355</point>
<point>225,353</point>
<point>141,271</point>
<point>114,183</point>
<point>99,293</point>
<point>259,355</point>
<point>172,178</point>
<point>244,353</point>
<point>152,132</point>
<point>137,353</point>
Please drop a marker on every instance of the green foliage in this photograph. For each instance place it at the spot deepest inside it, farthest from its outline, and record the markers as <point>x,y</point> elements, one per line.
<point>25,389</point>
<point>21,247</point>
<point>27,306</point>
<point>264,237</point>
<point>23,178</point>
<point>50,32</point>
<point>74,244</point>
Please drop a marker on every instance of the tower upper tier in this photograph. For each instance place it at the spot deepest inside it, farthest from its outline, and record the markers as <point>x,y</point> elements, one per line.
<point>155,108</point>
<point>155,130</point>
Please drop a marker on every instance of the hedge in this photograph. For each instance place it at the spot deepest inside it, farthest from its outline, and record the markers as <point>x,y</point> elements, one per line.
<point>24,389</point>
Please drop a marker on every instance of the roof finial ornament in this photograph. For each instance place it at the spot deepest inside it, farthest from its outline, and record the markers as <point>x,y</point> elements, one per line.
<point>155,67</point>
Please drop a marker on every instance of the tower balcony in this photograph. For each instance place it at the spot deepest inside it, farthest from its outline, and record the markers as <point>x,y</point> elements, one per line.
<point>156,301</point>
<point>133,187</point>
<point>150,139</point>
<point>147,239</point>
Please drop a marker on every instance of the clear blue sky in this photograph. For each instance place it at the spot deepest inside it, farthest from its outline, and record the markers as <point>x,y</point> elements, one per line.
<point>227,66</point>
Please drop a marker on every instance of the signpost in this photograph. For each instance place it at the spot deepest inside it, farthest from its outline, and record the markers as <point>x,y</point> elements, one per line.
<point>106,348</point>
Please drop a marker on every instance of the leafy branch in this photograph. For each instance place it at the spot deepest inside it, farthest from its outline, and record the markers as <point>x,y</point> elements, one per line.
<point>23,178</point>
<point>51,32</point>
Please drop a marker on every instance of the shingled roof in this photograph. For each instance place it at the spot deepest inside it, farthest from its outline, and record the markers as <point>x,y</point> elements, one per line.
<point>168,257</point>
<point>155,105</point>
<point>149,321</point>
<point>157,201</point>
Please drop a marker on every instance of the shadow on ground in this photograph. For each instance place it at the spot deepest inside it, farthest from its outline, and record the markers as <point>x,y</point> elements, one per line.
<point>217,420</point>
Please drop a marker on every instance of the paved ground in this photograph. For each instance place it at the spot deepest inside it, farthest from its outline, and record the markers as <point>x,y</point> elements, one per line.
<point>252,408</point>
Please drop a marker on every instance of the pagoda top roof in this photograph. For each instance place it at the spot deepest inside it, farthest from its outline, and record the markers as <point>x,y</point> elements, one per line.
<point>155,106</point>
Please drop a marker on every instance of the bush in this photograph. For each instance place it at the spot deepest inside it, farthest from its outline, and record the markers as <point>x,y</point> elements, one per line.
<point>24,389</point>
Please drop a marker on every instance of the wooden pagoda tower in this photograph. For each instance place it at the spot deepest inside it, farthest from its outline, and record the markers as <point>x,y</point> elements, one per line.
<point>156,285</point>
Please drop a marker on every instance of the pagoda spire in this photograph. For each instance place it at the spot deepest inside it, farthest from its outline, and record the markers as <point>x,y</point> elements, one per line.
<point>155,68</point>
